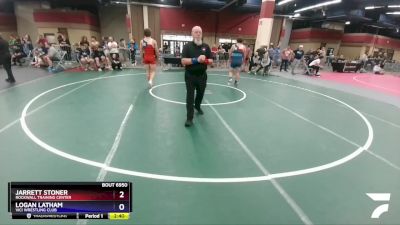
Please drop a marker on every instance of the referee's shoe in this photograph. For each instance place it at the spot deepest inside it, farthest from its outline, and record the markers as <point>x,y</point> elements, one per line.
<point>199,110</point>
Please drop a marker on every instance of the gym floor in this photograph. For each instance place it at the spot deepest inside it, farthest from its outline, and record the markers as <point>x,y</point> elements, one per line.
<point>280,149</point>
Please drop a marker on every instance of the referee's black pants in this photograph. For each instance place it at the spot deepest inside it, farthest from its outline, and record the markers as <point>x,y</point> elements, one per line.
<point>198,83</point>
<point>6,62</point>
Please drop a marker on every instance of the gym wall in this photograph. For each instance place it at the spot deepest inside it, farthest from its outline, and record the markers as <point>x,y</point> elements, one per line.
<point>76,23</point>
<point>357,43</point>
<point>112,22</point>
<point>23,11</point>
<point>8,25</point>
<point>215,25</point>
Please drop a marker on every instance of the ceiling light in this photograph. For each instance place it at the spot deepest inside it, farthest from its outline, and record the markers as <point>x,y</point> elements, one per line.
<point>393,6</point>
<point>318,5</point>
<point>393,13</point>
<point>294,16</point>
<point>284,2</point>
<point>347,23</point>
<point>373,7</point>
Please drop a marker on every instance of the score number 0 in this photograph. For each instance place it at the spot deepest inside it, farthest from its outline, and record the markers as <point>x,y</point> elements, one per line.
<point>121,206</point>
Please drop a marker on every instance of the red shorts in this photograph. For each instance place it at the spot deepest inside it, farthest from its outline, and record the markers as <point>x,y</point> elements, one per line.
<point>149,61</point>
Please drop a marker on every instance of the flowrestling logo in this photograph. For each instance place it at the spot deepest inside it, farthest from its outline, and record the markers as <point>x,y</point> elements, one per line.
<point>379,197</point>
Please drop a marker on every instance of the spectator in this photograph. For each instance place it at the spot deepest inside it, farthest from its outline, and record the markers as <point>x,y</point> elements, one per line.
<point>52,55</point>
<point>42,42</point>
<point>132,51</point>
<point>65,45</point>
<point>378,69</point>
<point>85,60</point>
<point>285,55</point>
<point>277,56</point>
<point>17,52</point>
<point>316,65</point>
<point>123,50</point>
<point>214,51</point>
<point>330,58</point>
<point>27,44</point>
<point>84,41</point>
<point>297,58</point>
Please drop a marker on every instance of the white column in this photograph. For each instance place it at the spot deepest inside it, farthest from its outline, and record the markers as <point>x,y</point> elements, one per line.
<point>129,15</point>
<point>145,17</point>
<point>287,29</point>
<point>265,23</point>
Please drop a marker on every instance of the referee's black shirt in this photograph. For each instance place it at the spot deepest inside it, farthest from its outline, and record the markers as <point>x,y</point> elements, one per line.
<point>191,50</point>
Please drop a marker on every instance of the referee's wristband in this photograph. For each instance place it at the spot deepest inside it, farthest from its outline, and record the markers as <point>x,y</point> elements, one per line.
<point>195,61</point>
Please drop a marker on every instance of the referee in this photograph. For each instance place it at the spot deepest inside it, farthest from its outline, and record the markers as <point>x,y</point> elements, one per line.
<point>196,55</point>
<point>5,59</point>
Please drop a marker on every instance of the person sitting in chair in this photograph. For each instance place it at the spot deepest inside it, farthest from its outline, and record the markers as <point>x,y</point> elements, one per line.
<point>52,55</point>
<point>18,53</point>
<point>315,65</point>
<point>115,62</point>
<point>378,69</point>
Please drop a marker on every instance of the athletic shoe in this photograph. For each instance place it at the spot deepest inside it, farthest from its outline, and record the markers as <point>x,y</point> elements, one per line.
<point>150,83</point>
<point>10,81</point>
<point>199,110</point>
<point>230,81</point>
<point>236,83</point>
<point>99,70</point>
<point>188,123</point>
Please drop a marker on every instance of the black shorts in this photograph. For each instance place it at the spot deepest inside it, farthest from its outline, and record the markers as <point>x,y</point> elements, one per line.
<point>97,54</point>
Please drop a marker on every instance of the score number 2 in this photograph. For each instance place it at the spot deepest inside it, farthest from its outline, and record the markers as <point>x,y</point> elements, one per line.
<point>121,206</point>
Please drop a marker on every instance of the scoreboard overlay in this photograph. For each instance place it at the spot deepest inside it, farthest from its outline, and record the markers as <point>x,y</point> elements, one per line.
<point>70,200</point>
